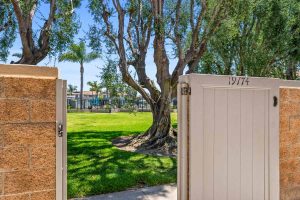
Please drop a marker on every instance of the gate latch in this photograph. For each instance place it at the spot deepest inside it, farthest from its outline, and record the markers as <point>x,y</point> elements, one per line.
<point>60,130</point>
<point>275,101</point>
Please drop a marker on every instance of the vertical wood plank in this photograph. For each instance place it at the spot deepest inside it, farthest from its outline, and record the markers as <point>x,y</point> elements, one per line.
<point>196,143</point>
<point>208,149</point>
<point>259,145</point>
<point>234,144</point>
<point>180,164</point>
<point>246,144</point>
<point>221,145</point>
<point>59,141</point>
<point>274,181</point>
<point>182,156</point>
<point>64,140</point>
<point>266,111</point>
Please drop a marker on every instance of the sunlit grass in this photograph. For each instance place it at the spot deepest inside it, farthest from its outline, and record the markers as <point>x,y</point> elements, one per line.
<point>95,166</point>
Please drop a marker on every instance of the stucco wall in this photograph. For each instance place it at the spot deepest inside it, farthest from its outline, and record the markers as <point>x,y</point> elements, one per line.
<point>27,138</point>
<point>290,143</point>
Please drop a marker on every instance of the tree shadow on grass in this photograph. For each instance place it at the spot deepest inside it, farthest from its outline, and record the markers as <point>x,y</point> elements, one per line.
<point>95,166</point>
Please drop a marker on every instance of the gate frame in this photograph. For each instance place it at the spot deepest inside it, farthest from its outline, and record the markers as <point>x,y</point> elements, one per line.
<point>189,123</point>
<point>61,142</point>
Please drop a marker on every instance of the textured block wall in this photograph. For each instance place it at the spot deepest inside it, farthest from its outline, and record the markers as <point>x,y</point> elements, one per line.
<point>27,138</point>
<point>290,144</point>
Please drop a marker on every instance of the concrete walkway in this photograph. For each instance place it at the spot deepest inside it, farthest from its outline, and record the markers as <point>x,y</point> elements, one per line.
<point>164,192</point>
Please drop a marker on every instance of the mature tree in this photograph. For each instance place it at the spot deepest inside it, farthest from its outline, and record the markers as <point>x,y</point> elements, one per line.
<point>294,40</point>
<point>7,29</point>
<point>130,97</point>
<point>40,33</point>
<point>95,86</point>
<point>262,39</point>
<point>77,54</point>
<point>72,89</point>
<point>116,89</point>
<point>110,78</point>
<point>131,28</point>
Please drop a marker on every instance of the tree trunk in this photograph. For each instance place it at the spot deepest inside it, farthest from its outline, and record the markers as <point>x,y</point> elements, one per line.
<point>33,53</point>
<point>227,70</point>
<point>291,72</point>
<point>160,132</point>
<point>161,135</point>
<point>34,59</point>
<point>81,85</point>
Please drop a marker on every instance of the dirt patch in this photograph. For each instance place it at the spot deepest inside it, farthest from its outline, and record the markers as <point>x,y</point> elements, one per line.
<point>126,143</point>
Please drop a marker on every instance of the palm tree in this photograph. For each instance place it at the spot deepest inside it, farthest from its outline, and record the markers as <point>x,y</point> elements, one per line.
<point>77,54</point>
<point>72,88</point>
<point>94,86</point>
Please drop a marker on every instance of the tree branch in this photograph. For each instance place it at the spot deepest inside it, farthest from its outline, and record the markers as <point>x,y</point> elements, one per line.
<point>212,27</point>
<point>122,54</point>
<point>129,40</point>
<point>160,56</point>
<point>192,14</point>
<point>31,12</point>
<point>139,20</point>
<point>9,22</point>
<point>148,32</point>
<point>196,29</point>
<point>44,34</point>
<point>108,33</point>
<point>19,13</point>
<point>5,26</point>
<point>177,41</point>
<point>22,28</point>
<point>198,47</point>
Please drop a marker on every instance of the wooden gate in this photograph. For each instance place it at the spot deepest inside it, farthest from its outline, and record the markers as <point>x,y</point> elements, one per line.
<point>228,137</point>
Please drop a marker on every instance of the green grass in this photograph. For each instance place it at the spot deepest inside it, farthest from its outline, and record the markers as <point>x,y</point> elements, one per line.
<point>95,166</point>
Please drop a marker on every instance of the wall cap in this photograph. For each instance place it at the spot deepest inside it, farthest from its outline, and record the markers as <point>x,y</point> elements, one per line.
<point>28,71</point>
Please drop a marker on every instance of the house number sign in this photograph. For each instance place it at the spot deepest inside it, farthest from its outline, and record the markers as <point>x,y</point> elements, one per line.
<point>241,80</point>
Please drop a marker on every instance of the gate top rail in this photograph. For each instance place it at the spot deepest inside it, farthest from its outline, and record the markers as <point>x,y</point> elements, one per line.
<point>28,71</point>
<point>237,81</point>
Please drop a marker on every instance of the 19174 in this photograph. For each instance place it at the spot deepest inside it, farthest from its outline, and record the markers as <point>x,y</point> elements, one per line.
<point>233,80</point>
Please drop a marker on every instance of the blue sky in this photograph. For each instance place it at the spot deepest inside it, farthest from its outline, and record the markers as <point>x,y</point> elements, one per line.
<point>70,71</point>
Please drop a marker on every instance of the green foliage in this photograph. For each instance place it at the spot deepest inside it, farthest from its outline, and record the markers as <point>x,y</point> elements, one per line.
<point>95,166</point>
<point>62,31</point>
<point>7,29</point>
<point>256,40</point>
<point>97,37</point>
<point>95,86</point>
<point>72,88</point>
<point>65,27</point>
<point>130,96</point>
<point>97,32</point>
<point>111,80</point>
<point>77,54</point>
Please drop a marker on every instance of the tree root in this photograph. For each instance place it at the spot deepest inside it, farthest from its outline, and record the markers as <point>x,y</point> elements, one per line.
<point>163,144</point>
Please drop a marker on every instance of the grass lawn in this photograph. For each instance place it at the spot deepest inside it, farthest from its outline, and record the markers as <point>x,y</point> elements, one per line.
<point>95,166</point>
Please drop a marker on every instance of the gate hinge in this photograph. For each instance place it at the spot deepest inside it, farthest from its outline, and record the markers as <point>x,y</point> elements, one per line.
<point>186,90</point>
<point>60,130</point>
